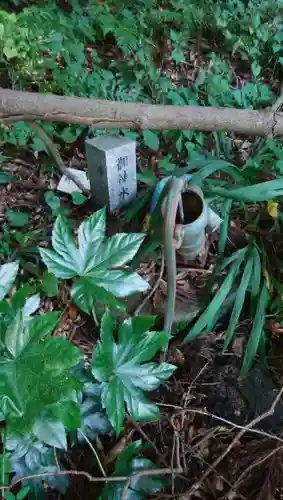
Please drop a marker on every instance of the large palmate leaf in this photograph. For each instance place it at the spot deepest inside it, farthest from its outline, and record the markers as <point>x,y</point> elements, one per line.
<point>8,273</point>
<point>123,369</point>
<point>127,464</point>
<point>34,370</point>
<point>93,261</point>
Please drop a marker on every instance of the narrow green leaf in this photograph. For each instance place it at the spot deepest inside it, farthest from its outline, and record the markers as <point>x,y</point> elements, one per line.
<point>256,274</point>
<point>228,260</point>
<point>239,302</point>
<point>209,168</point>
<point>209,314</point>
<point>224,227</point>
<point>8,273</point>
<point>258,192</point>
<point>256,332</point>
<point>9,496</point>
<point>23,492</point>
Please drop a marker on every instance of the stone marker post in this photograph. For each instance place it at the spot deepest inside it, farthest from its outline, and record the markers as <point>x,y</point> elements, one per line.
<point>112,172</point>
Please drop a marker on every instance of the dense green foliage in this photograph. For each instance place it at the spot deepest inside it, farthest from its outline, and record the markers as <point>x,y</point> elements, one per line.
<point>180,52</point>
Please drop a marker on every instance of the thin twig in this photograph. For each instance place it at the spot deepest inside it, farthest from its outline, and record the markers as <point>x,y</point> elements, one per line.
<point>53,150</point>
<point>249,469</point>
<point>154,288</point>
<point>194,380</point>
<point>93,479</point>
<point>93,451</point>
<point>154,472</point>
<point>203,461</point>
<point>147,438</point>
<point>229,422</point>
<point>240,434</point>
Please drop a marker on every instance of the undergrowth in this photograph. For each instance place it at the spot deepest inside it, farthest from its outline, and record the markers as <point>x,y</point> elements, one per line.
<point>179,52</point>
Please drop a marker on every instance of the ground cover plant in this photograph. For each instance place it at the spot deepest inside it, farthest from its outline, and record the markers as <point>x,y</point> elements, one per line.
<point>95,396</point>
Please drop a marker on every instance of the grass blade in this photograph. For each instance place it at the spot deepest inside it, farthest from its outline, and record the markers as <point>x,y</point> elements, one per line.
<point>231,258</point>
<point>239,302</point>
<point>217,302</point>
<point>224,228</point>
<point>258,192</point>
<point>256,274</point>
<point>256,332</point>
<point>211,167</point>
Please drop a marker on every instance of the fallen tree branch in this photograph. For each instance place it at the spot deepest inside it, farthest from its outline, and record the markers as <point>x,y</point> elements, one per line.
<point>102,114</point>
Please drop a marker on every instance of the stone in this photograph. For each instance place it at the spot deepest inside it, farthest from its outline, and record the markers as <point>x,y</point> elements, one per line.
<point>66,185</point>
<point>112,172</point>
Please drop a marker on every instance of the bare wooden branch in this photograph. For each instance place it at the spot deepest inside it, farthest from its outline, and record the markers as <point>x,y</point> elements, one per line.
<point>102,114</point>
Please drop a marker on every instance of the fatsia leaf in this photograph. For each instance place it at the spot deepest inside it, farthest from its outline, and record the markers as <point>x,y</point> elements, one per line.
<point>135,327</point>
<point>122,369</point>
<point>63,244</point>
<point>51,432</point>
<point>34,373</point>
<point>93,262</point>
<point>256,332</point>
<point>121,283</point>
<point>57,264</point>
<point>91,233</point>
<point>8,273</point>
<point>239,302</point>
<point>116,251</point>
<point>31,305</point>
<point>84,291</point>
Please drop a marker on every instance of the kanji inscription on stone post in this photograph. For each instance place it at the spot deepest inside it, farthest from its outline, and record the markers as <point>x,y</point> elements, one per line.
<point>112,170</point>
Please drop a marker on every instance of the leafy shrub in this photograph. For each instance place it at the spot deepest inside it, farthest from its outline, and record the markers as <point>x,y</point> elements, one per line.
<point>124,370</point>
<point>92,261</point>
